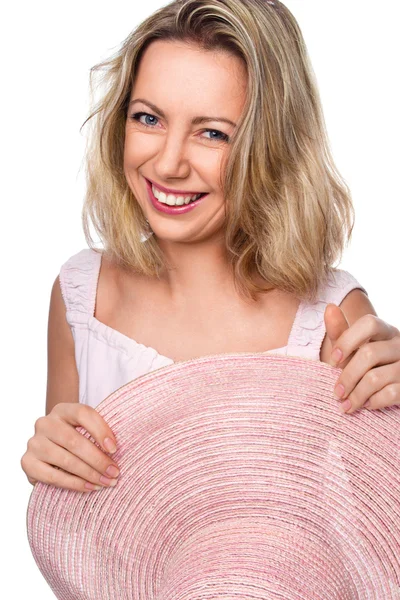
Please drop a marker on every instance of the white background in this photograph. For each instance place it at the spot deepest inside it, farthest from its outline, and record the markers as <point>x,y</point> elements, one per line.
<point>47,51</point>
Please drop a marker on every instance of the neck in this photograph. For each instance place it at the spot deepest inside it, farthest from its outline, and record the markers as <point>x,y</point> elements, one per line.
<point>197,270</point>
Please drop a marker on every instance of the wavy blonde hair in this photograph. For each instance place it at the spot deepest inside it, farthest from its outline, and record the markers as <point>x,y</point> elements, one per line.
<point>288,211</point>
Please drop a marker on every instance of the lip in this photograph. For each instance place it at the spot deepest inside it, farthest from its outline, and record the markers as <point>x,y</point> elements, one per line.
<point>175,192</point>
<point>171,210</point>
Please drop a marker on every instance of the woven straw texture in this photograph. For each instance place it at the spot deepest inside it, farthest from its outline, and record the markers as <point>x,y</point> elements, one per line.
<point>240,480</point>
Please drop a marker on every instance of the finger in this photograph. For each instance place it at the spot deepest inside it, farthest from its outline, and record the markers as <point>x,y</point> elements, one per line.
<point>372,383</point>
<point>367,357</point>
<point>367,328</point>
<point>336,324</point>
<point>66,437</point>
<point>388,396</point>
<point>58,457</point>
<point>51,475</point>
<point>87,417</point>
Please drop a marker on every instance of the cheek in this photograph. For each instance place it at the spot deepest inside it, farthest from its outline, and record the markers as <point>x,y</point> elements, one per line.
<point>137,149</point>
<point>210,164</point>
<point>131,153</point>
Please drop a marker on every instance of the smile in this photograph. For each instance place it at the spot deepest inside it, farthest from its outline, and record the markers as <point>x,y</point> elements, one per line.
<point>172,203</point>
<point>167,191</point>
<point>172,199</point>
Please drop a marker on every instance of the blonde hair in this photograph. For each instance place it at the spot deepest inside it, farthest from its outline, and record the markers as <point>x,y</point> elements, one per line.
<point>288,210</point>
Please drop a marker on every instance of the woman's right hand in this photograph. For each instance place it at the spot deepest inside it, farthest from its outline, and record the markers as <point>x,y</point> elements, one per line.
<point>57,445</point>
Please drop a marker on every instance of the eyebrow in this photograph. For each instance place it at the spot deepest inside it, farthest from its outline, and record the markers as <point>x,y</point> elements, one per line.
<point>195,120</point>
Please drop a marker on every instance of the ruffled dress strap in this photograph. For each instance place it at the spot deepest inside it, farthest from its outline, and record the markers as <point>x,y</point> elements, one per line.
<point>309,329</point>
<point>78,282</point>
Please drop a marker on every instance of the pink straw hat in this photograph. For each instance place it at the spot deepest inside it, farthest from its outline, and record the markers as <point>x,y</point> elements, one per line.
<point>240,479</point>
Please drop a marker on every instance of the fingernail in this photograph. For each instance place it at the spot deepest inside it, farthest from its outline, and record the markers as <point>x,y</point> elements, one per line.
<point>109,445</point>
<point>339,390</point>
<point>108,481</point>
<point>337,355</point>
<point>92,486</point>
<point>367,404</point>
<point>112,471</point>
<point>345,406</point>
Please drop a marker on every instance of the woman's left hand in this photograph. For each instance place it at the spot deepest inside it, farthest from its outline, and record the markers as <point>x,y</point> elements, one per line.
<point>370,360</point>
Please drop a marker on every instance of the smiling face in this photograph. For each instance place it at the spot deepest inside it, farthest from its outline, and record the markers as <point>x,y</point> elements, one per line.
<point>167,144</point>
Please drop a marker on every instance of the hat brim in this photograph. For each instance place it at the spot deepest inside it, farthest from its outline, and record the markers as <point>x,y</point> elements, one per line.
<point>239,478</point>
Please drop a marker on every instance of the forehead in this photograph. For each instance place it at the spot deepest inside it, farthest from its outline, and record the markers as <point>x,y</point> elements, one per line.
<point>170,70</point>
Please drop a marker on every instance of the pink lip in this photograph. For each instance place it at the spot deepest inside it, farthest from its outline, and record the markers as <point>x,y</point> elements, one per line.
<point>175,192</point>
<point>171,210</point>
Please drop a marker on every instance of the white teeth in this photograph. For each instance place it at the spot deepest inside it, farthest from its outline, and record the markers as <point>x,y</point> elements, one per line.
<point>171,199</point>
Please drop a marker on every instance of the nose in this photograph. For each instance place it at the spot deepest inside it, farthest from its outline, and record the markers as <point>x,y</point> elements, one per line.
<point>172,160</point>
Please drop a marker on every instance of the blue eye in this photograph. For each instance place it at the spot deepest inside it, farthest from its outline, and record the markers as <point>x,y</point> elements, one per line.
<point>224,138</point>
<point>137,117</point>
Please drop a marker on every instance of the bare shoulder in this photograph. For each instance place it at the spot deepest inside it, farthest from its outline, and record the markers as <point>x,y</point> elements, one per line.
<point>107,287</point>
<point>355,305</point>
<point>62,374</point>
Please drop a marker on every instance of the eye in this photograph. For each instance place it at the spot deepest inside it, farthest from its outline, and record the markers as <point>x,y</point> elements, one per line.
<point>138,116</point>
<point>224,138</point>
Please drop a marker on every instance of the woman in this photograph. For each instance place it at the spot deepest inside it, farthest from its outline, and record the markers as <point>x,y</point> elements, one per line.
<point>214,99</point>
